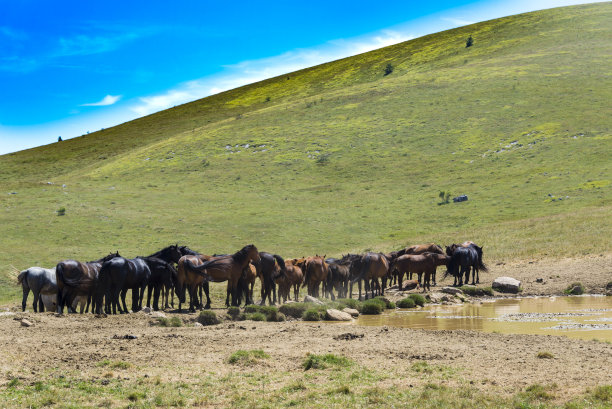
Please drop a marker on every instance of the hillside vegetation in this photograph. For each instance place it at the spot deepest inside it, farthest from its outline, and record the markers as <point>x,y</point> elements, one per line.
<point>341,157</point>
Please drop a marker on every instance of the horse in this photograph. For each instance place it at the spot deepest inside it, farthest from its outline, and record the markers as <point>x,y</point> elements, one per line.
<point>118,275</point>
<point>480,265</point>
<point>461,261</point>
<point>415,263</point>
<point>423,248</point>
<point>338,277</point>
<point>163,276</point>
<point>293,278</point>
<point>439,260</point>
<point>315,272</point>
<point>370,266</point>
<point>269,268</point>
<point>250,276</point>
<point>225,268</point>
<point>40,281</point>
<point>75,278</point>
<point>170,254</point>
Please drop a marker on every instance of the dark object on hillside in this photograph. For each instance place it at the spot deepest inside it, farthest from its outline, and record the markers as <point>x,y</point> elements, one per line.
<point>388,69</point>
<point>461,198</point>
<point>469,42</point>
<point>128,336</point>
<point>348,336</point>
<point>59,139</point>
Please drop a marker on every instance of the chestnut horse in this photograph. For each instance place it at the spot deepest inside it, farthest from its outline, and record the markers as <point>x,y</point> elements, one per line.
<point>189,281</point>
<point>315,272</point>
<point>75,278</point>
<point>415,263</point>
<point>293,278</point>
<point>370,267</point>
<point>225,268</point>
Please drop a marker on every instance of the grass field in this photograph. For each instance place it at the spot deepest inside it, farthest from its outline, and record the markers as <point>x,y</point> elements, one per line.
<point>340,157</point>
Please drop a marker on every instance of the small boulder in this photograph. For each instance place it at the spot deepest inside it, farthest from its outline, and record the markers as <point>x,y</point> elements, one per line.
<point>336,315</point>
<point>351,311</point>
<point>506,285</point>
<point>157,314</point>
<point>146,310</point>
<point>26,323</point>
<point>434,297</point>
<point>451,290</point>
<point>197,324</point>
<point>313,300</point>
<point>410,285</point>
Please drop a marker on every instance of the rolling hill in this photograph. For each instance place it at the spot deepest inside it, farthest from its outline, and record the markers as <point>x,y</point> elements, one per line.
<point>341,157</point>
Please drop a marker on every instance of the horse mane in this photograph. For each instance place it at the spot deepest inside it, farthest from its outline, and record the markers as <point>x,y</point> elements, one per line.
<point>243,253</point>
<point>110,256</point>
<point>186,251</point>
<point>161,252</point>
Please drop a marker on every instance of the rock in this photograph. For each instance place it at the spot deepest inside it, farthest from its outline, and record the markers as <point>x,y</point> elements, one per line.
<point>411,285</point>
<point>146,310</point>
<point>197,324</point>
<point>6,314</point>
<point>451,290</point>
<point>336,315</point>
<point>539,280</point>
<point>313,300</point>
<point>351,311</point>
<point>157,314</point>
<point>435,297</point>
<point>26,323</point>
<point>506,285</point>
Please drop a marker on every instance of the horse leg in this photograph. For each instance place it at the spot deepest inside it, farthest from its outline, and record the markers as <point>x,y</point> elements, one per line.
<point>41,305</point>
<point>227,296</point>
<point>26,292</point>
<point>207,293</point>
<point>149,289</point>
<point>156,291</point>
<point>36,299</point>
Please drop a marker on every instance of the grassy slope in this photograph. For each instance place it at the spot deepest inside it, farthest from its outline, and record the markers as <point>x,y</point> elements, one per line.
<point>352,159</point>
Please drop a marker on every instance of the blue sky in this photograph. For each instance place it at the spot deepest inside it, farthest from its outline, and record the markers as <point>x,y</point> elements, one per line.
<point>72,67</point>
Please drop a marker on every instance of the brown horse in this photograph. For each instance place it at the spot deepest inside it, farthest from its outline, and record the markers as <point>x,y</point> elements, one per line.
<point>225,268</point>
<point>423,248</point>
<point>415,263</point>
<point>250,275</point>
<point>369,267</point>
<point>293,278</point>
<point>75,278</point>
<point>187,280</point>
<point>315,272</point>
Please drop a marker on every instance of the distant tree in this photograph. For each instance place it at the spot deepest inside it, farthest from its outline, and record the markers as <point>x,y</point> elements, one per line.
<point>444,196</point>
<point>59,139</point>
<point>388,69</point>
<point>469,42</point>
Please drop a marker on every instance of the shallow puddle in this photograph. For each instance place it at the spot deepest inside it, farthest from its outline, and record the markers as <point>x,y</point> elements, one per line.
<point>585,317</point>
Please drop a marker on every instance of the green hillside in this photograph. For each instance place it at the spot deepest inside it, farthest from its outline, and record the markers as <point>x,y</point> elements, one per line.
<point>341,157</point>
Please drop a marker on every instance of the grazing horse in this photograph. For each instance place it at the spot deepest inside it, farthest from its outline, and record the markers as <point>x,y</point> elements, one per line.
<point>315,272</point>
<point>40,281</point>
<point>338,277</point>
<point>119,275</point>
<point>225,268</point>
<point>75,278</point>
<point>371,267</point>
<point>470,244</point>
<point>293,278</point>
<point>461,261</point>
<point>269,268</point>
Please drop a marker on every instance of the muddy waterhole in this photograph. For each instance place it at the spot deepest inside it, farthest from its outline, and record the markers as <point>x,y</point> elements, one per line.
<point>584,317</point>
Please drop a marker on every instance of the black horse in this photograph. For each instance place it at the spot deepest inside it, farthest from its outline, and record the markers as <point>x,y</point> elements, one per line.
<point>476,267</point>
<point>163,276</point>
<point>270,267</point>
<point>462,260</point>
<point>170,254</point>
<point>119,275</point>
<point>338,277</point>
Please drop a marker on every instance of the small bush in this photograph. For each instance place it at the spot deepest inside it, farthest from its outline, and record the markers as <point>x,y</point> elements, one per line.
<point>280,317</point>
<point>406,303</point>
<point>121,365</point>
<point>603,393</point>
<point>234,312</point>
<point>294,309</point>
<point>314,361</point>
<point>251,308</point>
<point>208,318</point>
<point>312,314</point>
<point>418,299</point>
<point>349,303</point>
<point>247,358</point>
<point>372,307</point>
<point>574,289</point>
<point>389,305</point>
<point>388,69</point>
<point>545,355</point>
<point>61,211</point>
<point>474,291</point>
<point>170,322</point>
<point>256,316</point>
<point>469,42</point>
<point>538,392</point>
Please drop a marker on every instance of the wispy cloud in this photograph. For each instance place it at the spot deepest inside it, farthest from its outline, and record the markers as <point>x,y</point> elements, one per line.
<point>458,21</point>
<point>107,100</point>
<point>12,33</point>
<point>247,72</point>
<point>89,45</point>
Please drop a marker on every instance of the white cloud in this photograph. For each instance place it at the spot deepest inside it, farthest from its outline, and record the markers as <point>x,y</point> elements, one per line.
<point>107,100</point>
<point>458,21</point>
<point>248,72</point>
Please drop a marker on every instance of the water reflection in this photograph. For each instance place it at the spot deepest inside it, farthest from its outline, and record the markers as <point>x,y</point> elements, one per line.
<point>584,317</point>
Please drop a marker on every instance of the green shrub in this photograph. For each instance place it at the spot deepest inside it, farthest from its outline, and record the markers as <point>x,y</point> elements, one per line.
<point>208,318</point>
<point>388,69</point>
<point>313,314</point>
<point>406,303</point>
<point>235,314</point>
<point>603,393</point>
<point>545,355</point>
<point>247,358</point>
<point>349,303</point>
<point>256,316</point>
<point>61,211</point>
<point>574,289</point>
<point>314,361</point>
<point>418,299</point>
<point>474,291</point>
<point>389,305</point>
<point>280,317</point>
<point>372,307</point>
<point>294,309</point>
<point>252,308</point>
<point>170,322</point>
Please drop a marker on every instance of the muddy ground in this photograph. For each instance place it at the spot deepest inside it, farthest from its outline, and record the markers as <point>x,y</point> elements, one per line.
<point>77,344</point>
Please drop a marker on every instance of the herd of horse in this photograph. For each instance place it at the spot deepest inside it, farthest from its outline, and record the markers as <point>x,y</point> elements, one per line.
<point>175,269</point>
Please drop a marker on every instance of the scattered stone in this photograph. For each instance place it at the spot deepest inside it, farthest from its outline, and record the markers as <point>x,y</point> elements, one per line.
<point>539,280</point>
<point>348,336</point>
<point>411,285</point>
<point>351,311</point>
<point>197,324</point>
<point>128,336</point>
<point>6,314</point>
<point>158,314</point>
<point>435,297</point>
<point>26,323</point>
<point>146,310</point>
<point>506,285</point>
<point>451,290</point>
<point>336,315</point>
<point>313,300</point>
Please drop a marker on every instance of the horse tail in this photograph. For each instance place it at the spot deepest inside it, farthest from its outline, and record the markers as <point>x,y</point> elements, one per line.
<point>22,275</point>
<point>281,264</point>
<point>197,269</point>
<point>482,266</point>
<point>307,268</point>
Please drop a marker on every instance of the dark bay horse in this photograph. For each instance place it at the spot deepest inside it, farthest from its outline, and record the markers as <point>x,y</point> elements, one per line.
<point>191,282</point>
<point>170,254</point>
<point>41,281</point>
<point>163,277</point>
<point>75,278</point>
<point>225,268</point>
<point>462,260</point>
<point>118,275</point>
<point>479,266</point>
<point>269,268</point>
<point>371,267</point>
<point>338,277</point>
